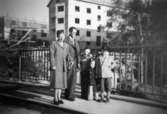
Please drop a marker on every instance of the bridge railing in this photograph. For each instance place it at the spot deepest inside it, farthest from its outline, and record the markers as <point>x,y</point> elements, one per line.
<point>136,69</point>
<point>34,64</point>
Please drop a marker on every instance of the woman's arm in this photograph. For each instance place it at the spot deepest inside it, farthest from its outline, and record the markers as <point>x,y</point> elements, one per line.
<point>52,56</point>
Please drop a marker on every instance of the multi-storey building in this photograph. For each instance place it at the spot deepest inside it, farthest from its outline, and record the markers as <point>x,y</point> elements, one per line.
<point>10,25</point>
<point>88,16</point>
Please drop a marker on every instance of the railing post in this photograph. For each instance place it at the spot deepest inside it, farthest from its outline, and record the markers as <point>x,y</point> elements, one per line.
<point>161,74</point>
<point>153,73</point>
<point>142,65</point>
<point>19,66</point>
<point>145,73</point>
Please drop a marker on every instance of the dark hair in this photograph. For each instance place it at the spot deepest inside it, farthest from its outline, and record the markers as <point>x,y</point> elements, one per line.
<point>59,32</point>
<point>71,29</point>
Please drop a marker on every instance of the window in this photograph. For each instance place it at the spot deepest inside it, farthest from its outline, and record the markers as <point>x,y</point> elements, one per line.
<point>98,40</point>
<point>77,20</point>
<point>98,7</point>
<point>53,30</point>
<point>99,29</point>
<point>78,33</point>
<point>58,31</point>
<point>34,30</point>
<point>88,43</point>
<point>109,24</point>
<point>19,33</point>
<point>34,37</point>
<point>43,34</point>
<point>24,24</point>
<point>88,22</point>
<point>88,10</point>
<point>88,34</point>
<point>98,17</point>
<point>77,8</point>
<point>13,22</point>
<point>60,20</point>
<point>60,8</point>
<point>109,13</point>
<point>24,32</point>
<point>1,27</point>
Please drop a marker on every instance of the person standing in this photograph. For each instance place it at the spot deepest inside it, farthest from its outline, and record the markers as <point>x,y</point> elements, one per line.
<point>59,54</point>
<point>85,65</point>
<point>74,53</point>
<point>98,76</point>
<point>106,76</point>
<point>91,81</point>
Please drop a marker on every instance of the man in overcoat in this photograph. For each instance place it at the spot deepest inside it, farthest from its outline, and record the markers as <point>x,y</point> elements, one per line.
<point>73,63</point>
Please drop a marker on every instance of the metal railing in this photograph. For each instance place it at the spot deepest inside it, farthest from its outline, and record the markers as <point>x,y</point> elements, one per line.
<point>138,69</point>
<point>34,64</point>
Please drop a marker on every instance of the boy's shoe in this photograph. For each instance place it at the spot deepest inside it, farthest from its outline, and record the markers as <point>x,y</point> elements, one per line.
<point>104,100</point>
<point>108,99</point>
<point>98,100</point>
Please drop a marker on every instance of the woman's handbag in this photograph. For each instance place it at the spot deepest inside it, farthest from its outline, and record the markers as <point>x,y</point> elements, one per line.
<point>70,62</point>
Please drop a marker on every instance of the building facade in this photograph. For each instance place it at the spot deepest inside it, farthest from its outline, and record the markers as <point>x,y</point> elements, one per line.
<point>17,27</point>
<point>88,16</point>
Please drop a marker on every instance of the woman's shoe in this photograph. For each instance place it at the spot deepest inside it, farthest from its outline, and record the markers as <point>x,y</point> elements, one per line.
<point>56,102</point>
<point>108,99</point>
<point>60,102</point>
<point>103,99</point>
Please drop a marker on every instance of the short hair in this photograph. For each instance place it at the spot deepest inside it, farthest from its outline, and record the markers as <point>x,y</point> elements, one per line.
<point>59,32</point>
<point>87,49</point>
<point>71,29</point>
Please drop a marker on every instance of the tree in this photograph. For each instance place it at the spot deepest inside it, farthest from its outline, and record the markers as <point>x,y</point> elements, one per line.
<point>128,17</point>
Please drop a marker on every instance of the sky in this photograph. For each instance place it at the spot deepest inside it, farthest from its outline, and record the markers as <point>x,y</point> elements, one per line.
<point>26,9</point>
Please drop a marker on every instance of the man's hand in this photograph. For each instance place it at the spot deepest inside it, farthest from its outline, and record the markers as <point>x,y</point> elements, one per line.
<point>53,68</point>
<point>78,67</point>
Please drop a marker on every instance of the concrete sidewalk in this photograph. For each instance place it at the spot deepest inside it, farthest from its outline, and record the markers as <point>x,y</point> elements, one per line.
<point>83,106</point>
<point>80,105</point>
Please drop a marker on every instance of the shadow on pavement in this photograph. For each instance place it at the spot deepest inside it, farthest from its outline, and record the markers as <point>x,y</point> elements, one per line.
<point>15,104</point>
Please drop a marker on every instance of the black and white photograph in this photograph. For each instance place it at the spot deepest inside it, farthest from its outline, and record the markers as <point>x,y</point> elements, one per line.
<point>83,56</point>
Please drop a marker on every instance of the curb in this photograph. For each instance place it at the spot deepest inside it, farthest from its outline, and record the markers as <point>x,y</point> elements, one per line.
<point>140,101</point>
<point>24,83</point>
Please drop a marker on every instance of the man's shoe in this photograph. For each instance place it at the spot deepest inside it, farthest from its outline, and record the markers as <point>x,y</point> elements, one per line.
<point>55,102</point>
<point>71,99</point>
<point>60,102</point>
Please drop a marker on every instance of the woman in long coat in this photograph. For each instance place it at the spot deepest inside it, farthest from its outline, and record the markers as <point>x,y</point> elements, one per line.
<point>59,54</point>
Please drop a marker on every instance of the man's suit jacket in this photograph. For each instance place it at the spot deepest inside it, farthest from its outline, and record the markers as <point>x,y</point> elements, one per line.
<point>74,50</point>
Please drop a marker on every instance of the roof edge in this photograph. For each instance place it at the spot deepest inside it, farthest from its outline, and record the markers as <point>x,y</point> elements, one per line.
<point>49,3</point>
